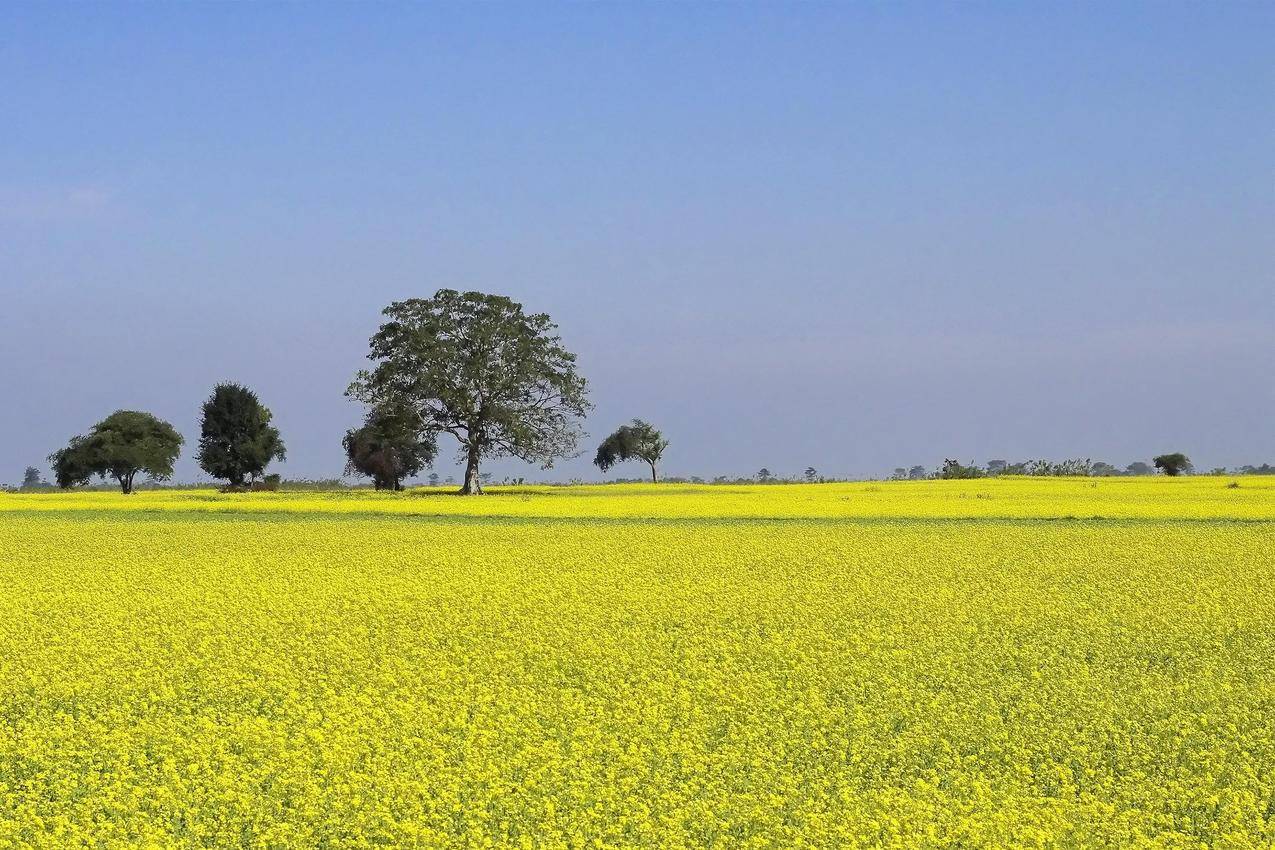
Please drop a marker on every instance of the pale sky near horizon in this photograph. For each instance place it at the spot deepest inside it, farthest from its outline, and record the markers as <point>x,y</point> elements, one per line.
<point>853,236</point>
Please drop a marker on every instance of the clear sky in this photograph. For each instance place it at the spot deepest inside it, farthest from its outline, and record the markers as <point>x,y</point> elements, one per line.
<point>851,236</point>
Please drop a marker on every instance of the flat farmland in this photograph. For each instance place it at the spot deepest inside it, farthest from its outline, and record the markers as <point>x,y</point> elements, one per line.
<point>1000,662</point>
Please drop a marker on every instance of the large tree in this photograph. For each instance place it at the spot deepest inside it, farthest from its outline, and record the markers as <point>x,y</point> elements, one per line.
<point>477,367</point>
<point>389,447</point>
<point>120,446</point>
<point>236,439</point>
<point>636,441</point>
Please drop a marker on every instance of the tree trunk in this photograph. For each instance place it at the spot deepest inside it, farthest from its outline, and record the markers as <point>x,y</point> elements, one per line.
<point>126,484</point>
<point>654,479</point>
<point>473,486</point>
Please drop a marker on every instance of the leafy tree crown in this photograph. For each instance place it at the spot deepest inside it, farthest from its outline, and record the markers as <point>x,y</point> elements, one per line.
<point>636,441</point>
<point>236,439</point>
<point>389,447</point>
<point>120,446</point>
<point>478,367</point>
<point>1175,463</point>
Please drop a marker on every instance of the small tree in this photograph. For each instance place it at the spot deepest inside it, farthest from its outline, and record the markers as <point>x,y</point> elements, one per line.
<point>388,448</point>
<point>433,479</point>
<point>477,367</point>
<point>1138,468</point>
<point>31,478</point>
<point>955,469</point>
<point>120,446</point>
<point>916,473</point>
<point>1172,464</point>
<point>811,475</point>
<point>763,474</point>
<point>236,439</point>
<point>996,467</point>
<point>636,441</point>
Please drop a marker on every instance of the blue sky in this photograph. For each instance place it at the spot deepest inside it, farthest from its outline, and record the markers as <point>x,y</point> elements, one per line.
<point>852,236</point>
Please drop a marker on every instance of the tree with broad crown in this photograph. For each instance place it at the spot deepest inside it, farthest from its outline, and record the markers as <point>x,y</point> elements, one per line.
<point>120,446</point>
<point>31,478</point>
<point>636,441</point>
<point>477,367</point>
<point>236,439</point>
<point>1172,464</point>
<point>389,447</point>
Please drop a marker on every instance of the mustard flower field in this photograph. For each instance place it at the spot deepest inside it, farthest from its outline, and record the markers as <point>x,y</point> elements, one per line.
<point>988,663</point>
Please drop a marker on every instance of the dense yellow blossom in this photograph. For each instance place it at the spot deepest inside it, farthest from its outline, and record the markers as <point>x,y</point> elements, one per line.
<point>1199,497</point>
<point>912,664</point>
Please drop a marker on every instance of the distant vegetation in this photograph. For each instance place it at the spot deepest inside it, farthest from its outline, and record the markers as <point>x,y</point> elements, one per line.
<point>1172,464</point>
<point>389,447</point>
<point>120,446</point>
<point>478,368</point>
<point>236,440</point>
<point>951,468</point>
<point>636,441</point>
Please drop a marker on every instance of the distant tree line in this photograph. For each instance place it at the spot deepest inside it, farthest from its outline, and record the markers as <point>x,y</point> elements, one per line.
<point>468,365</point>
<point>1172,464</point>
<point>236,443</point>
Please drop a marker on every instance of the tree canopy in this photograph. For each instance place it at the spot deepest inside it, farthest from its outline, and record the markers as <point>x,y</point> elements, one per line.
<point>120,446</point>
<point>389,447</point>
<point>636,441</point>
<point>1175,463</point>
<point>477,367</point>
<point>236,439</point>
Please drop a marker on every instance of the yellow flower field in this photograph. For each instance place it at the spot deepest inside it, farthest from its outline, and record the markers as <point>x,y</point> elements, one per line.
<point>910,664</point>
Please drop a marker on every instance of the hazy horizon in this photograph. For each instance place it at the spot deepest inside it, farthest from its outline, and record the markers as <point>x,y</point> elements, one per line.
<point>848,237</point>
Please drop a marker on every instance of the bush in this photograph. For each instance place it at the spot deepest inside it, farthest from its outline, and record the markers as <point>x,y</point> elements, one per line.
<point>955,469</point>
<point>269,484</point>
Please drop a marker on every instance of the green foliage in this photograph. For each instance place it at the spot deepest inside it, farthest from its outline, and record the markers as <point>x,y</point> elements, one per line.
<point>120,446</point>
<point>389,447</point>
<point>477,367</point>
<point>1175,463</point>
<point>636,441</point>
<point>236,439</point>
<point>31,478</point>
<point>955,469</point>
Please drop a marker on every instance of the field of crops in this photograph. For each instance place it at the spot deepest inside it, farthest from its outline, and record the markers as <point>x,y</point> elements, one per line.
<point>1012,662</point>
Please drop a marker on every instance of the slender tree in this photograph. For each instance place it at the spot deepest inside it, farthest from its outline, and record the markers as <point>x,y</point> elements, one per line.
<point>636,441</point>
<point>389,447</point>
<point>477,367</point>
<point>236,439</point>
<point>120,446</point>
